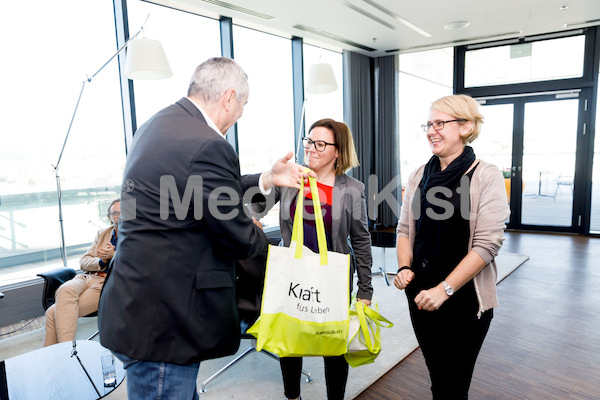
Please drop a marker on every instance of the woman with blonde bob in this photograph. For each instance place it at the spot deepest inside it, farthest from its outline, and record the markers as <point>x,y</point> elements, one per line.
<point>450,230</point>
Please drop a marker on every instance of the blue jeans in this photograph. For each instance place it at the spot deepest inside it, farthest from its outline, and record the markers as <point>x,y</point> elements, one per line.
<point>151,380</point>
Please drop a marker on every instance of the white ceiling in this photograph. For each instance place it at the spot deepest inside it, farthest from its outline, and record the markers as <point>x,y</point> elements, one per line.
<point>382,27</point>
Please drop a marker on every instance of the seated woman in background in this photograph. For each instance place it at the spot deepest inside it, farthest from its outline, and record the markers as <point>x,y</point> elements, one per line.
<point>79,296</point>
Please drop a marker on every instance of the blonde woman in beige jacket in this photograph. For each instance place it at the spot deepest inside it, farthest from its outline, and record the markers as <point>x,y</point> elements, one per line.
<point>450,230</point>
<point>79,296</point>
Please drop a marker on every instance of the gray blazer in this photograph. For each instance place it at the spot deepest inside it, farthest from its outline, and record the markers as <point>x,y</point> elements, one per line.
<point>349,220</point>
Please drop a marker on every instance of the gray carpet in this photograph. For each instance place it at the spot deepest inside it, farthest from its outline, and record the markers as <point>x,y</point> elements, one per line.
<point>507,263</point>
<point>258,377</point>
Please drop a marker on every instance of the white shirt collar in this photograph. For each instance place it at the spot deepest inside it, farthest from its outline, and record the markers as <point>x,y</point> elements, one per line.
<point>207,118</point>
<point>212,125</point>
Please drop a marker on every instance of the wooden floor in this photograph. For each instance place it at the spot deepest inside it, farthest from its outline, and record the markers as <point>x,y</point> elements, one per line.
<point>544,341</point>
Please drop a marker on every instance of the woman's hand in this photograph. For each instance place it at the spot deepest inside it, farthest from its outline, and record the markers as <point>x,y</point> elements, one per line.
<point>432,299</point>
<point>365,301</point>
<point>403,278</point>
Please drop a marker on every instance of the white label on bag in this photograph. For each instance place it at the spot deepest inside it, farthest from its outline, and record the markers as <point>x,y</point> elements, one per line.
<point>304,289</point>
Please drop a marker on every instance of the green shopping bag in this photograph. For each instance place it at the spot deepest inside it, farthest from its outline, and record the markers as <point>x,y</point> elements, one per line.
<point>304,309</point>
<point>364,338</point>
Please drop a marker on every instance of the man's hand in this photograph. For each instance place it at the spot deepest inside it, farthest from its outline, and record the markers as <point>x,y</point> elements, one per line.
<point>107,252</point>
<point>257,223</point>
<point>285,173</point>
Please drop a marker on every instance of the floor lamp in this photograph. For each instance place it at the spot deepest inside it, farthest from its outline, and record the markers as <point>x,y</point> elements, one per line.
<point>146,59</point>
<point>320,80</point>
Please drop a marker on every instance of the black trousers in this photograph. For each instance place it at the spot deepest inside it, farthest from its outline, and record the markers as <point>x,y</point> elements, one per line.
<point>336,376</point>
<point>450,340</point>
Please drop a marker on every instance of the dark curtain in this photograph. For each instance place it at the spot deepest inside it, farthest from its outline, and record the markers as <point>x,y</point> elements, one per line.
<point>371,112</point>
<point>359,110</point>
<point>386,154</point>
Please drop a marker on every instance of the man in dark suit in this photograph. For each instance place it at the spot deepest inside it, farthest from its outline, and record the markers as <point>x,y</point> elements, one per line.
<point>169,301</point>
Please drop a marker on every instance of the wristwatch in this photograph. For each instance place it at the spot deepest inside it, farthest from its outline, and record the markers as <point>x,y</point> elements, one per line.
<point>447,288</point>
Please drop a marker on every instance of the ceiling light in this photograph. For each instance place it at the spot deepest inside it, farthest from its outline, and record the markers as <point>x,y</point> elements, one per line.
<point>456,25</point>
<point>563,8</point>
<point>592,21</point>
<point>398,18</point>
<point>331,36</point>
<point>239,9</point>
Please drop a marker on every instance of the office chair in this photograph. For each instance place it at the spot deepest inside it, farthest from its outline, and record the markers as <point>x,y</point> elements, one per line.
<point>249,286</point>
<point>52,281</point>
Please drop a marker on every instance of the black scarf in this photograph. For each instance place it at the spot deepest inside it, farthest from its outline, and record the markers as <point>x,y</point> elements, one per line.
<point>430,231</point>
<point>433,176</point>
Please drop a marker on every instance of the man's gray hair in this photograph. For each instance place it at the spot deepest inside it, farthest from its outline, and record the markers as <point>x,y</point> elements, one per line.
<point>215,76</point>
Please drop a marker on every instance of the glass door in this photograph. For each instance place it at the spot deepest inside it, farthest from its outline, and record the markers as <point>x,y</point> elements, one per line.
<point>549,149</point>
<point>533,140</point>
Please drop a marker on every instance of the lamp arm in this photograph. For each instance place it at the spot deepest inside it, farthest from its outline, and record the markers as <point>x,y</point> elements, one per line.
<point>89,79</point>
<point>63,248</point>
<point>117,53</point>
<point>120,49</point>
<point>70,125</point>
<point>58,189</point>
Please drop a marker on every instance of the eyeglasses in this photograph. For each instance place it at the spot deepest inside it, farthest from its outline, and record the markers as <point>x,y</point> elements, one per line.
<point>439,125</point>
<point>115,213</point>
<point>320,145</point>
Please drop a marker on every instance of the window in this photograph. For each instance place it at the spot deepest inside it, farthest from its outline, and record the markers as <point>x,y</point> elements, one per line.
<point>39,94</point>
<point>525,62</point>
<point>187,39</point>
<point>266,130</point>
<point>494,144</point>
<point>423,78</point>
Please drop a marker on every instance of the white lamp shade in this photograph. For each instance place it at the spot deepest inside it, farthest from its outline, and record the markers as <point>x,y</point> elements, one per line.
<point>321,79</point>
<point>146,59</point>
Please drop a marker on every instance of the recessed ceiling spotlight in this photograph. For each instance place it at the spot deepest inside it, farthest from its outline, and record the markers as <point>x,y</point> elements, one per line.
<point>563,8</point>
<point>457,25</point>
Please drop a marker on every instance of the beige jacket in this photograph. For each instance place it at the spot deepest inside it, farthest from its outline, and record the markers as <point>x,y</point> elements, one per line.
<point>90,260</point>
<point>489,211</point>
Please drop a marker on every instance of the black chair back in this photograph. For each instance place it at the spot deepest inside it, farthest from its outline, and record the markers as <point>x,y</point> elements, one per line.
<point>52,281</point>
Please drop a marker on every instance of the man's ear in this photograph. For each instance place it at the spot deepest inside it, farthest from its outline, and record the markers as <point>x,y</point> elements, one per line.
<point>228,98</point>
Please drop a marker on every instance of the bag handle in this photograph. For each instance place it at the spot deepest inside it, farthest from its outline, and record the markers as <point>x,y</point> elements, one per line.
<point>364,326</point>
<point>298,227</point>
<point>376,317</point>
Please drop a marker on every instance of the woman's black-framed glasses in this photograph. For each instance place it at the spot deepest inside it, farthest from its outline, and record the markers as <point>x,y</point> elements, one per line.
<point>116,213</point>
<point>320,145</point>
<point>439,125</point>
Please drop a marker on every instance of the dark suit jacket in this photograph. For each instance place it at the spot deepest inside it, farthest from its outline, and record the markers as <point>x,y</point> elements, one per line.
<point>171,293</point>
<point>349,220</point>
